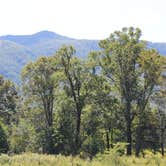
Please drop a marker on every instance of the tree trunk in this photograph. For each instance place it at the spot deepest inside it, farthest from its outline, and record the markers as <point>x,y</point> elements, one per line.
<point>162,148</point>
<point>138,135</point>
<point>162,142</point>
<point>128,128</point>
<point>48,109</point>
<point>138,141</point>
<point>129,138</point>
<point>112,131</point>
<point>107,140</point>
<point>140,128</point>
<point>49,141</point>
<point>77,137</point>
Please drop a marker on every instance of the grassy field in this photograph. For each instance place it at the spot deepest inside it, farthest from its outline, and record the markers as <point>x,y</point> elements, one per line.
<point>30,159</point>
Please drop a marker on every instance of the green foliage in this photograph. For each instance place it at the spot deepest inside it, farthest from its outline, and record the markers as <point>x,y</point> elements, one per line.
<point>134,71</point>
<point>23,137</point>
<point>91,146</point>
<point>64,125</point>
<point>8,96</point>
<point>3,139</point>
<point>72,106</point>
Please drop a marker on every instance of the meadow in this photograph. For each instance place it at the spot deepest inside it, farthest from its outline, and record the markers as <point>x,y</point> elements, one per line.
<point>32,159</point>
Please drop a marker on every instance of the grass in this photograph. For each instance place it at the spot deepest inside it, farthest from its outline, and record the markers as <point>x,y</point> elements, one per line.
<point>31,159</point>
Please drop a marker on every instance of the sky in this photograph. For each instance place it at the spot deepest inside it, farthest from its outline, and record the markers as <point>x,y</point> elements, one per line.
<point>84,19</point>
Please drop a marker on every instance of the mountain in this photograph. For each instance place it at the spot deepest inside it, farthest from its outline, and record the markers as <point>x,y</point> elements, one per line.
<point>17,50</point>
<point>12,58</point>
<point>46,43</point>
<point>160,47</point>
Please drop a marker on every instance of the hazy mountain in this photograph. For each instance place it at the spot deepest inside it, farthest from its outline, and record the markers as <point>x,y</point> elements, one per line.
<point>29,40</point>
<point>17,50</point>
<point>12,57</point>
<point>46,43</point>
<point>160,47</point>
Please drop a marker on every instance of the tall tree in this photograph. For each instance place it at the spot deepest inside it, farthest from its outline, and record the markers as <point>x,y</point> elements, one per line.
<point>159,99</point>
<point>134,71</point>
<point>119,63</point>
<point>38,81</point>
<point>75,75</point>
<point>102,97</point>
<point>8,95</point>
<point>150,65</point>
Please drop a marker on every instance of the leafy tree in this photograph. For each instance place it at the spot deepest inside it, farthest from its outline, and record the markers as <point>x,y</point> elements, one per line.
<point>133,70</point>
<point>75,75</point>
<point>119,63</point>
<point>160,99</point>
<point>38,81</point>
<point>8,95</point>
<point>150,63</point>
<point>101,96</point>
<point>64,124</point>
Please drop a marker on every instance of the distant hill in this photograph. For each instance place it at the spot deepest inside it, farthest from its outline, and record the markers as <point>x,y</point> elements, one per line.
<point>12,58</point>
<point>17,50</point>
<point>160,47</point>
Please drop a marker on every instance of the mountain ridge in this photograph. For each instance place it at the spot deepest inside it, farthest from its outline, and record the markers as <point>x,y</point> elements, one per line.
<point>17,50</point>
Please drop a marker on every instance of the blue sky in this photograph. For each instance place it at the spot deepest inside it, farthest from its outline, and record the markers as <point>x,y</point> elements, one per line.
<point>88,19</point>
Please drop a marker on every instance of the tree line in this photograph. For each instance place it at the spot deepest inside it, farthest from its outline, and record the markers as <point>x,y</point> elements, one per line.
<point>70,105</point>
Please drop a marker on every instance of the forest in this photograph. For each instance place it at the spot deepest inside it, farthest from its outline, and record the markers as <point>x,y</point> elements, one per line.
<point>114,100</point>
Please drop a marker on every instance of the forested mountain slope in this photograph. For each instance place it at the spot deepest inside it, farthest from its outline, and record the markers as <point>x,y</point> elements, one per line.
<point>17,50</point>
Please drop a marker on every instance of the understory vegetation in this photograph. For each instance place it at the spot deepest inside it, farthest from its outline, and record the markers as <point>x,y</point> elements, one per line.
<point>100,160</point>
<point>82,111</point>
